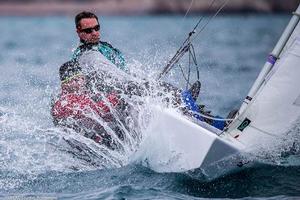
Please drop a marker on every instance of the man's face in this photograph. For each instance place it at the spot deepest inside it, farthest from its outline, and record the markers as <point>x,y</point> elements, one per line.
<point>89,30</point>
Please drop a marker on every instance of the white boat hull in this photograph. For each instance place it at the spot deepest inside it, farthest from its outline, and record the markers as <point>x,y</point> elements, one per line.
<point>174,143</point>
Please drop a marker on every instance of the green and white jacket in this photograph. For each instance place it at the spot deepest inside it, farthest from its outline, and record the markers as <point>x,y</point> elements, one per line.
<point>106,49</point>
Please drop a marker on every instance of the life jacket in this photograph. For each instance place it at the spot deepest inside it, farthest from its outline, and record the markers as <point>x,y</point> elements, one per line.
<point>78,106</point>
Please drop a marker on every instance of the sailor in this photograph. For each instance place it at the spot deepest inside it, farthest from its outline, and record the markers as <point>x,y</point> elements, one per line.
<point>88,31</point>
<point>76,109</point>
<point>99,61</point>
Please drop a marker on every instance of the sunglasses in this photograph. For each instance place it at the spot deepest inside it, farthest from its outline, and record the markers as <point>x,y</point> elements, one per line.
<point>90,30</point>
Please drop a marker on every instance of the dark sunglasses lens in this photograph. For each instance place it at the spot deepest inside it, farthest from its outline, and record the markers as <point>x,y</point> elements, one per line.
<point>97,28</point>
<point>90,30</point>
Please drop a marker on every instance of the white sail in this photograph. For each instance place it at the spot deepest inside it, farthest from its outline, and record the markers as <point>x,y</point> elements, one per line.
<point>276,106</point>
<point>294,36</point>
<point>275,54</point>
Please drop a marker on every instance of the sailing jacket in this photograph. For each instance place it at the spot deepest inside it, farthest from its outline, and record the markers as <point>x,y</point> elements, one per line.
<point>106,49</point>
<point>78,106</point>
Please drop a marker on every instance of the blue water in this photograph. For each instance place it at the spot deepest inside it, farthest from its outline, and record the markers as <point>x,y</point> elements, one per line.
<point>230,53</point>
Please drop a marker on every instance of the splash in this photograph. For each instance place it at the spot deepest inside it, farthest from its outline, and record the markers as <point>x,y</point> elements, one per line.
<point>280,151</point>
<point>124,125</point>
<point>30,145</point>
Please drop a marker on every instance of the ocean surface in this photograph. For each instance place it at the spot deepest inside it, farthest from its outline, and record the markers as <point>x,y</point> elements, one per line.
<point>230,52</point>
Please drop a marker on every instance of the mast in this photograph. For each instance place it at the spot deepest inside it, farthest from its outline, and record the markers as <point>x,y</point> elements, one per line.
<point>274,55</point>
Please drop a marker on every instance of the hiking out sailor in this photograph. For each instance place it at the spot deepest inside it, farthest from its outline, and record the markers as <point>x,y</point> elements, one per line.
<point>76,108</point>
<point>88,31</point>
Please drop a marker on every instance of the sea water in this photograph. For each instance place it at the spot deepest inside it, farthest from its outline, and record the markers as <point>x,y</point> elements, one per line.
<point>230,53</point>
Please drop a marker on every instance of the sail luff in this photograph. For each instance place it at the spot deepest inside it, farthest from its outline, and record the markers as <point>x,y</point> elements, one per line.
<point>274,110</point>
<point>272,59</point>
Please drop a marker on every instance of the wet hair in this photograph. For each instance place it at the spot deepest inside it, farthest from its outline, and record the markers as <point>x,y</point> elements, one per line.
<point>83,15</point>
<point>69,70</point>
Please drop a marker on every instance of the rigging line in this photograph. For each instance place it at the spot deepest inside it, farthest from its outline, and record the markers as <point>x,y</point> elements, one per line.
<point>189,70</point>
<point>192,57</point>
<point>260,130</point>
<point>177,56</point>
<point>181,48</point>
<point>210,6</point>
<point>184,47</point>
<point>265,132</point>
<point>210,19</point>
<point>196,26</point>
<point>193,54</point>
<point>188,10</point>
<point>195,62</point>
<point>198,23</point>
<point>213,118</point>
<point>190,34</point>
<point>173,61</point>
<point>184,74</point>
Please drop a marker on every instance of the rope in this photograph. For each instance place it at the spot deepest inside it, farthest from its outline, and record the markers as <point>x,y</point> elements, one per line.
<point>174,60</point>
<point>188,42</point>
<point>192,57</point>
<point>183,74</point>
<point>258,129</point>
<point>212,118</point>
<point>189,70</point>
<point>210,6</point>
<point>211,18</point>
<point>188,10</point>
